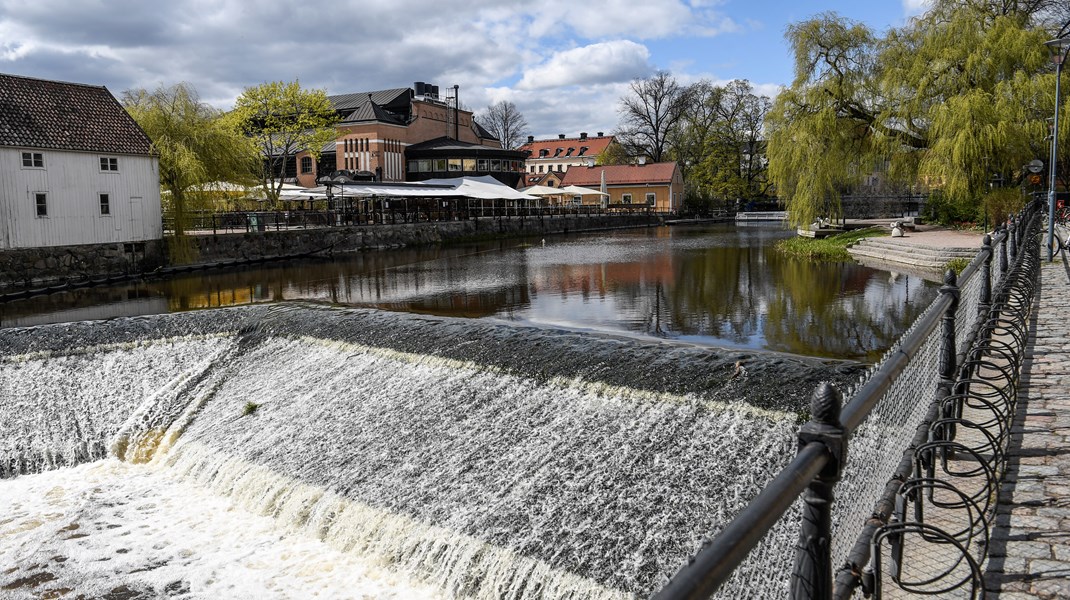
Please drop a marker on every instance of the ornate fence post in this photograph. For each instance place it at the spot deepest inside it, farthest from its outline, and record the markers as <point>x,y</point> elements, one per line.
<point>1003,256</point>
<point>1012,234</point>
<point>985,302</point>
<point>811,577</point>
<point>947,363</point>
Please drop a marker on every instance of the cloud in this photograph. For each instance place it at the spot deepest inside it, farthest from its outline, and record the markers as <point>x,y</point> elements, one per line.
<point>916,7</point>
<point>576,52</point>
<point>606,62</point>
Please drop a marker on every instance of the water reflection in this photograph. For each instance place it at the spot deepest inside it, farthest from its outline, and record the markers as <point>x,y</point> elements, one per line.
<point>721,285</point>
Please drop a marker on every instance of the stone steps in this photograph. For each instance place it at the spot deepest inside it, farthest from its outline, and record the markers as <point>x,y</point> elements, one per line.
<point>916,255</point>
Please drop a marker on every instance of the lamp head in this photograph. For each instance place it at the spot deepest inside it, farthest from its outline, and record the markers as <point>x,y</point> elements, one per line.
<point>1058,49</point>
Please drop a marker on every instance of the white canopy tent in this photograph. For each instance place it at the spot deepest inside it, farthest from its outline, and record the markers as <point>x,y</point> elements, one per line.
<point>577,190</point>
<point>483,188</point>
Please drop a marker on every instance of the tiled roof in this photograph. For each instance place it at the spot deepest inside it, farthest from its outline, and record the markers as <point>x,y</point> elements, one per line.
<point>37,113</point>
<point>620,174</point>
<point>594,146</point>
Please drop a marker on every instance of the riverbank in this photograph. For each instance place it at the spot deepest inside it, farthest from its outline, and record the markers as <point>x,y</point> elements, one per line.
<point>45,270</point>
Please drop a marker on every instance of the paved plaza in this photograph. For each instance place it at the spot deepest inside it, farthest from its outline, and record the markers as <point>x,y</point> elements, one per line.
<point>1030,551</point>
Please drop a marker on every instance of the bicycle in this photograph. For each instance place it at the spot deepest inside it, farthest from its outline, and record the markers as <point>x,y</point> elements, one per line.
<point>1061,238</point>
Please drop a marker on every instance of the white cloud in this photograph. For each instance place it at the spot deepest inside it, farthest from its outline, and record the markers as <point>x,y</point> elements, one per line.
<point>916,7</point>
<point>606,62</point>
<point>552,56</point>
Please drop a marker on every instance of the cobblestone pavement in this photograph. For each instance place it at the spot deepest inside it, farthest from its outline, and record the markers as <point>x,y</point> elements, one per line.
<point>1030,550</point>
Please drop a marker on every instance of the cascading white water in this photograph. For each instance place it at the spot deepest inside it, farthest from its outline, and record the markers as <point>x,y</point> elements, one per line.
<point>469,476</point>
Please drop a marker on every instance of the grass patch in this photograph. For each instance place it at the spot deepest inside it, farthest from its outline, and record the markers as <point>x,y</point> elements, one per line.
<point>832,248</point>
<point>250,408</point>
<point>957,264</point>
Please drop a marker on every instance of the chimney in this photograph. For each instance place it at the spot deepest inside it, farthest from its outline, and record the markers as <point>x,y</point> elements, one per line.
<point>531,139</point>
<point>560,136</point>
<point>583,136</point>
<point>600,134</point>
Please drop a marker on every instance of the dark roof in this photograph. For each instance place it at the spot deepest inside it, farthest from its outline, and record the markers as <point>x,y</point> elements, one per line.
<point>343,102</point>
<point>481,132</point>
<point>444,144</point>
<point>37,113</point>
<point>370,111</point>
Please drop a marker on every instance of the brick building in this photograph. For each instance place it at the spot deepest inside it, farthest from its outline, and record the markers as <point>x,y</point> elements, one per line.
<point>380,130</point>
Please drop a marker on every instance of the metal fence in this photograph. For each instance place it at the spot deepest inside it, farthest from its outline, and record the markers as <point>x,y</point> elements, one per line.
<point>387,213</point>
<point>928,427</point>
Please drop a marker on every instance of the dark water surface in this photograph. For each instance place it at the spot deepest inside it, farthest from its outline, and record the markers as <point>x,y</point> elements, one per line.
<point>719,285</point>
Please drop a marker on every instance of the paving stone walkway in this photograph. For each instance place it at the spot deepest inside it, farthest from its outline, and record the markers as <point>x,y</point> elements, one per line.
<point>1030,549</point>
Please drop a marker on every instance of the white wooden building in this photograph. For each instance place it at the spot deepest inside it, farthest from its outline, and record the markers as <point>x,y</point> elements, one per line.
<point>75,168</point>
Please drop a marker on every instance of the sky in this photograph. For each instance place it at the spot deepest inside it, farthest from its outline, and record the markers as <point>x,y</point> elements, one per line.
<point>565,64</point>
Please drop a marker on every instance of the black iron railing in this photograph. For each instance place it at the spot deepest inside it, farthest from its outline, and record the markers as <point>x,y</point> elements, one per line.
<point>938,407</point>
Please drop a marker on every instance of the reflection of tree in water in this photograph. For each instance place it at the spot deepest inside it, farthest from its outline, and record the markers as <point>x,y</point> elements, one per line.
<point>853,312</point>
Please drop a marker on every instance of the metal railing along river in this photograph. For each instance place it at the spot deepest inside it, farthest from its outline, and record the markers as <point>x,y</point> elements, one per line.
<point>387,213</point>
<point>896,490</point>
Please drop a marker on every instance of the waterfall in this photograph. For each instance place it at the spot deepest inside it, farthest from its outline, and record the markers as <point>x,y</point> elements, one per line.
<point>482,460</point>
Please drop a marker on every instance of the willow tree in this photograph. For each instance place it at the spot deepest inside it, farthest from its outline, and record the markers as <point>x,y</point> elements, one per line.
<point>193,142</point>
<point>950,100</point>
<point>283,119</point>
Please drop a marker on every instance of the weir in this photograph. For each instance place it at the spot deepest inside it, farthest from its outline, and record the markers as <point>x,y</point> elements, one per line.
<point>469,458</point>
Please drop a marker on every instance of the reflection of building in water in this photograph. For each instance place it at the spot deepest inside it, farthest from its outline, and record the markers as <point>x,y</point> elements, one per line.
<point>215,299</point>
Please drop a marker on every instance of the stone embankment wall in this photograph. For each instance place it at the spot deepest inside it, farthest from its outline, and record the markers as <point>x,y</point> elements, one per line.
<point>35,268</point>
<point>297,242</point>
<point>27,268</point>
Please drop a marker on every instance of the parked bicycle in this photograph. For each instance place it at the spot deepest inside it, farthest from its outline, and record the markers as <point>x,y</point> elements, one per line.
<point>1061,238</point>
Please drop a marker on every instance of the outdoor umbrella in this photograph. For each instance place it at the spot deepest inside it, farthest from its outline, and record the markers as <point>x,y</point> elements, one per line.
<point>577,190</point>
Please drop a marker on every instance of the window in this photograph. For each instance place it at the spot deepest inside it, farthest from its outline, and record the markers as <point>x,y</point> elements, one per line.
<point>33,160</point>
<point>540,168</point>
<point>543,153</point>
<point>483,165</point>
<point>105,204</point>
<point>495,164</point>
<point>109,163</point>
<point>454,165</point>
<point>583,150</point>
<point>469,165</point>
<point>440,165</point>
<point>570,151</point>
<point>651,198</point>
<point>41,200</point>
<point>306,164</point>
<point>626,198</point>
<point>532,168</point>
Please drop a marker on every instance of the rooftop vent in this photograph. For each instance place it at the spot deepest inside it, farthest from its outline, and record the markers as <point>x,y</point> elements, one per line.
<point>560,136</point>
<point>583,136</point>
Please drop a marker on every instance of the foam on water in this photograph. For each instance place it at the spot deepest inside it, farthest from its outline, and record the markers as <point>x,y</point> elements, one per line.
<point>133,531</point>
<point>478,460</point>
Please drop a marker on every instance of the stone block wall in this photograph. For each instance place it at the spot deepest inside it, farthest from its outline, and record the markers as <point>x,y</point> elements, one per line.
<point>28,268</point>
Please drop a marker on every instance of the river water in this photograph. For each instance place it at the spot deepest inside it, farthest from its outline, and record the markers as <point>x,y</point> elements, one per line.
<point>719,285</point>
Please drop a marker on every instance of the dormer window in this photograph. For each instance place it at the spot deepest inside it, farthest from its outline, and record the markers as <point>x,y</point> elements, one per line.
<point>544,153</point>
<point>583,150</point>
<point>558,153</point>
<point>570,151</point>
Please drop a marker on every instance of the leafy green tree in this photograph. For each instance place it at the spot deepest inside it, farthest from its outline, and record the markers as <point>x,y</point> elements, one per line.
<point>282,119</point>
<point>195,145</point>
<point>948,100</point>
<point>614,154</point>
<point>719,140</point>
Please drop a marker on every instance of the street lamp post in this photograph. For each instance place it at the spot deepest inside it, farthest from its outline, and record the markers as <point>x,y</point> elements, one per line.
<point>1058,49</point>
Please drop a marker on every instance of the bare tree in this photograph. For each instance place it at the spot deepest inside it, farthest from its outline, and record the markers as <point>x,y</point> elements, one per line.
<point>505,121</point>
<point>650,113</point>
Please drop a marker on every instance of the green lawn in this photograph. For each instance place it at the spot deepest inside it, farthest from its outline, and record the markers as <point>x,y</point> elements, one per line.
<point>832,248</point>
